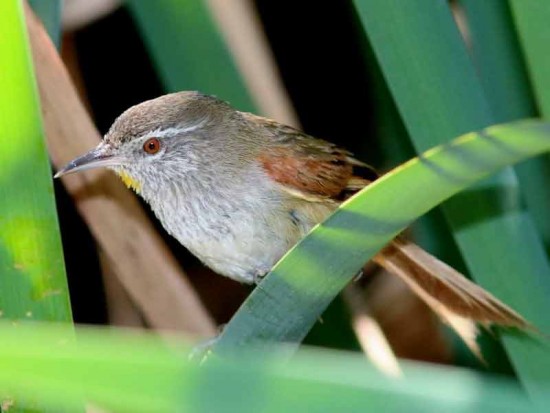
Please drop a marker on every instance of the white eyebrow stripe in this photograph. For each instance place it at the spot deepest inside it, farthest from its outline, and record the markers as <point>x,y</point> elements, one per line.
<point>161,133</point>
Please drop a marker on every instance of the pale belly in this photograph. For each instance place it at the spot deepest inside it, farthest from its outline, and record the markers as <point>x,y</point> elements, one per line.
<point>244,261</point>
<point>243,251</point>
<point>242,246</point>
<point>238,239</point>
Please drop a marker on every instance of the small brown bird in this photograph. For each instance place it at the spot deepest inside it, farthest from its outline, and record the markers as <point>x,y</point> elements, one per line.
<point>239,190</point>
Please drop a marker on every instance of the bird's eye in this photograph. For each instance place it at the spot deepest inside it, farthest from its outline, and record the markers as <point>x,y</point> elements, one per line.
<point>151,146</point>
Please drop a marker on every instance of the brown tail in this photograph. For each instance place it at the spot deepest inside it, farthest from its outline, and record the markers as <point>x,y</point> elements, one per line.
<point>457,300</point>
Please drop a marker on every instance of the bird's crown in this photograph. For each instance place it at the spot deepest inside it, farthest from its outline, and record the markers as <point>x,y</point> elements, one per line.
<point>176,110</point>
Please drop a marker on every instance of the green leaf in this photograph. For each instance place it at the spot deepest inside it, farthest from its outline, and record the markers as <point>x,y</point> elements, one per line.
<point>292,297</point>
<point>439,96</point>
<point>531,19</point>
<point>496,51</point>
<point>33,285</point>
<point>143,373</point>
<point>188,50</point>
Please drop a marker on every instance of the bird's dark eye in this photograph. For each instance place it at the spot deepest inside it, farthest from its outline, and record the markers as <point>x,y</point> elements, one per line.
<point>151,146</point>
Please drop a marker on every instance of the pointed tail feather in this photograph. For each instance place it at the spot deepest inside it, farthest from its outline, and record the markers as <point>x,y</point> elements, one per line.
<point>452,296</point>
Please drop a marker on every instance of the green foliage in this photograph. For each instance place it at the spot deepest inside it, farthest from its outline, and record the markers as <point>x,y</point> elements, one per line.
<point>143,373</point>
<point>33,285</point>
<point>439,96</point>
<point>531,26</point>
<point>531,19</point>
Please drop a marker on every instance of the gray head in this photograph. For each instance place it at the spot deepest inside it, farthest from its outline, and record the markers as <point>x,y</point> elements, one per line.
<point>168,138</point>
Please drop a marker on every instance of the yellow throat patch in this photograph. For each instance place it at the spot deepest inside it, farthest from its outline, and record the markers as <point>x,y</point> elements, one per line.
<point>129,181</point>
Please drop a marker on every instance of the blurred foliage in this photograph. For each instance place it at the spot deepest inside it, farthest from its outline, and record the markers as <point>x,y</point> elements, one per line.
<point>142,373</point>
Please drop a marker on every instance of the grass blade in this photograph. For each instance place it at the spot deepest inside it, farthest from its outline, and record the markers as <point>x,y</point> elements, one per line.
<point>141,373</point>
<point>33,283</point>
<point>531,19</point>
<point>439,96</point>
<point>496,52</point>
<point>289,301</point>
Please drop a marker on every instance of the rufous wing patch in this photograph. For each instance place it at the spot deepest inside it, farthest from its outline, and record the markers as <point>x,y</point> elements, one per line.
<point>323,176</point>
<point>311,167</point>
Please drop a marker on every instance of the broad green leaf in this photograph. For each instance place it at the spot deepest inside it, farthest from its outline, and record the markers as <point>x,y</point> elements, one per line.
<point>531,21</point>
<point>33,285</point>
<point>439,96</point>
<point>130,372</point>
<point>292,297</point>
<point>496,52</point>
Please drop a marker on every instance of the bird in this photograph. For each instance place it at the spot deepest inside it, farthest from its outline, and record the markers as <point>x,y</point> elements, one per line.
<point>239,190</point>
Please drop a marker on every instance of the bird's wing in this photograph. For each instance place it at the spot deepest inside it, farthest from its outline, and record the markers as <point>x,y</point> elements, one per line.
<point>308,167</point>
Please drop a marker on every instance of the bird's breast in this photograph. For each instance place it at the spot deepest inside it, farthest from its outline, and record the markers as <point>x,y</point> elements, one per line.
<point>235,236</point>
<point>239,233</point>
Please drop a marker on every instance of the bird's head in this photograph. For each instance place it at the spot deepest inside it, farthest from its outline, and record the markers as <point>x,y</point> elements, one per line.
<point>161,140</point>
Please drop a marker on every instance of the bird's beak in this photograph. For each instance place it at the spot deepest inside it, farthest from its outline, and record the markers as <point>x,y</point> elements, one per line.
<point>101,156</point>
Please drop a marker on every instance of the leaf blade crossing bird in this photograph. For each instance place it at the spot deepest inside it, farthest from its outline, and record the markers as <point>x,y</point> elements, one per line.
<point>239,190</point>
